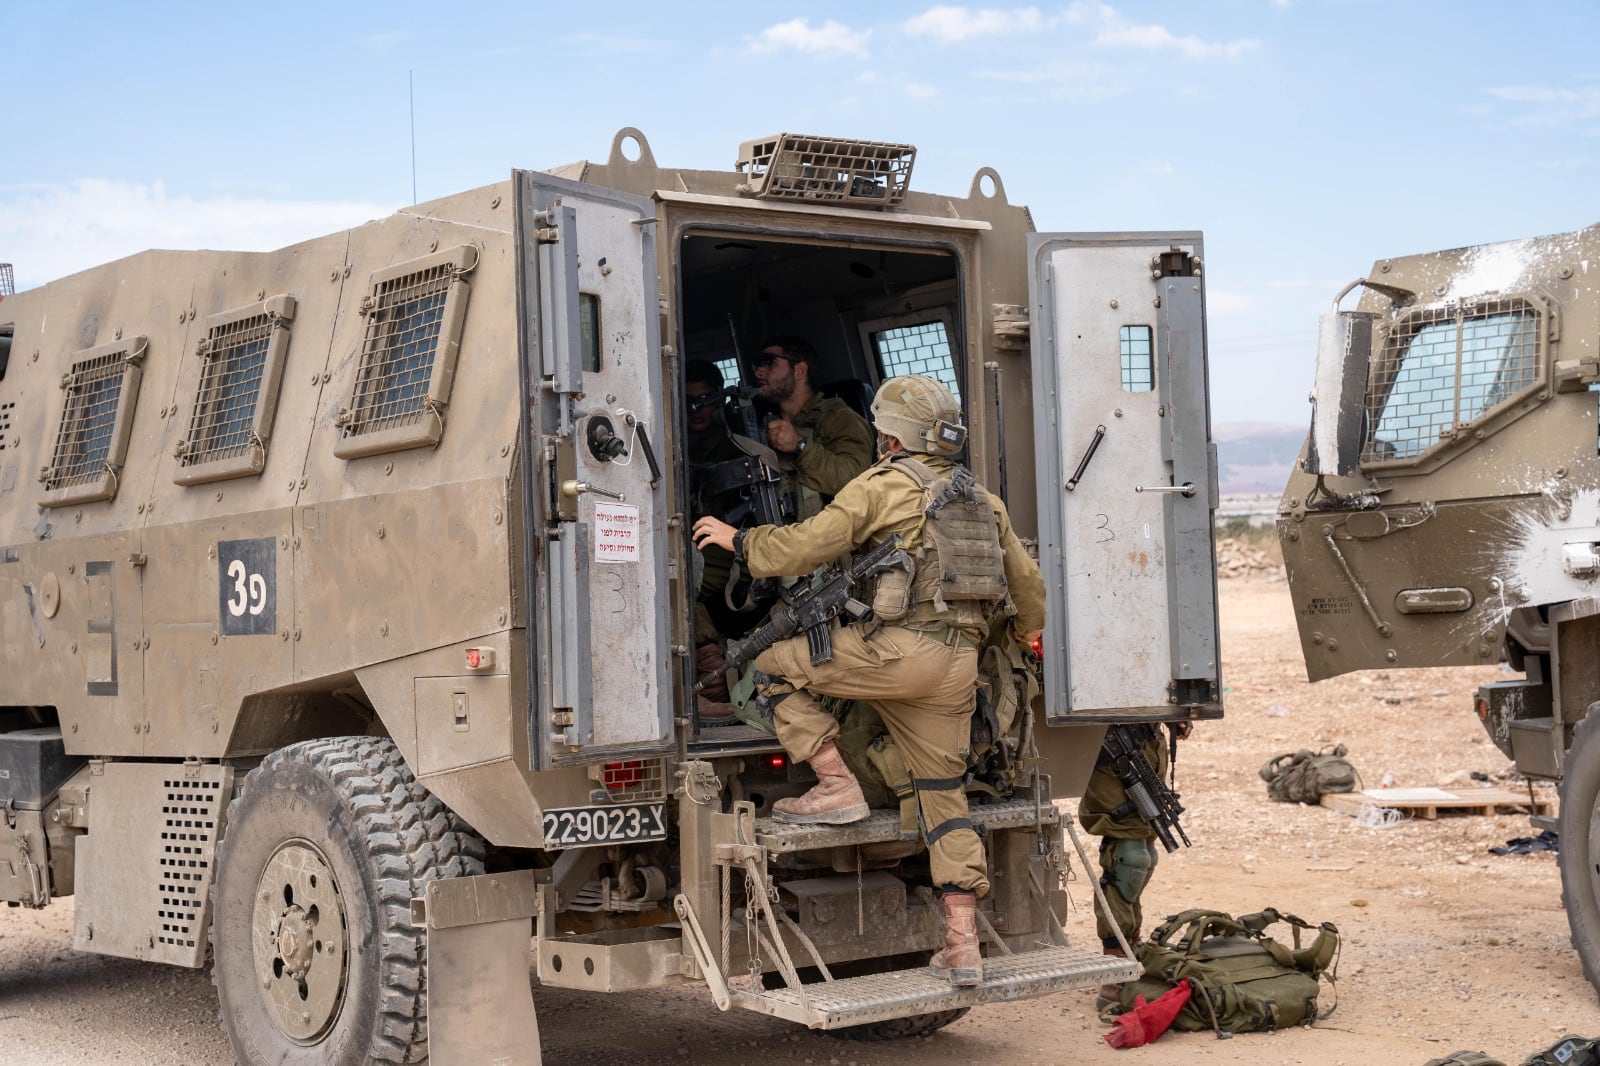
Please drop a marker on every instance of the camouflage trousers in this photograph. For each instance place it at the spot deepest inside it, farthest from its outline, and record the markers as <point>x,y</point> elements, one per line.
<point>1128,850</point>
<point>924,692</point>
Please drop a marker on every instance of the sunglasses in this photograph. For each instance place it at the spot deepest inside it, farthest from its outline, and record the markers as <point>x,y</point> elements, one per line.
<point>766,359</point>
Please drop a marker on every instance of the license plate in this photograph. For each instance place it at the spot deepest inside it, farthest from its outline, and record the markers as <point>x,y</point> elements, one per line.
<point>584,827</point>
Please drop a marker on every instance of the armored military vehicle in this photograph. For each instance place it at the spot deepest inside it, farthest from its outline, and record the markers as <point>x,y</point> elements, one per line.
<point>1444,512</point>
<point>346,595</point>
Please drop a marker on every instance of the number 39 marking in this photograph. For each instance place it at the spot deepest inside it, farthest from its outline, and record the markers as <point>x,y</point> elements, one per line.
<point>249,590</point>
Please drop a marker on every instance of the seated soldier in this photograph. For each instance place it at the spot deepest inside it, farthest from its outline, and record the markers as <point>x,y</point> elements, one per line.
<point>829,443</point>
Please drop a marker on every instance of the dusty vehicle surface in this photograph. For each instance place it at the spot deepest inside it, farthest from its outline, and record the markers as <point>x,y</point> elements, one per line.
<point>347,595</point>
<point>1445,509</point>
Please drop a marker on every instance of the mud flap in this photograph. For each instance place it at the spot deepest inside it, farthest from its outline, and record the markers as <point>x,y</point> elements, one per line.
<point>480,997</point>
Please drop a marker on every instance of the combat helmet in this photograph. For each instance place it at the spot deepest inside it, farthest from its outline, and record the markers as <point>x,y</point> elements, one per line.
<point>922,412</point>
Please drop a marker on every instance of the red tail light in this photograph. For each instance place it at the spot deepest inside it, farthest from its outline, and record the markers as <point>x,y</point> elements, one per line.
<point>622,775</point>
<point>776,762</point>
<point>1038,646</point>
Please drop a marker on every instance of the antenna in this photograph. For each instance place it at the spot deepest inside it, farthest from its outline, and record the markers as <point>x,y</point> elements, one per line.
<point>411,93</point>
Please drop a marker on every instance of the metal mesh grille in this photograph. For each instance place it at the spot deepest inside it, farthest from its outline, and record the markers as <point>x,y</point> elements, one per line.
<point>795,167</point>
<point>5,425</point>
<point>920,349</point>
<point>635,779</point>
<point>230,388</point>
<point>94,394</point>
<point>1442,370</point>
<point>8,280</point>
<point>402,340</point>
<point>188,842</point>
<point>1138,359</point>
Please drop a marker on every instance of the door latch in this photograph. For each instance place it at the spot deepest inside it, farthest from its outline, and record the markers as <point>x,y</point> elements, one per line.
<point>575,488</point>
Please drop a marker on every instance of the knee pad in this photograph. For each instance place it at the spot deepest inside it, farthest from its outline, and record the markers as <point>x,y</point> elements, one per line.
<point>1133,862</point>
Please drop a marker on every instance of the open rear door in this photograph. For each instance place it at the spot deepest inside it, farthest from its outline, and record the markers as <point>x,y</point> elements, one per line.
<point>596,514</point>
<point>1127,475</point>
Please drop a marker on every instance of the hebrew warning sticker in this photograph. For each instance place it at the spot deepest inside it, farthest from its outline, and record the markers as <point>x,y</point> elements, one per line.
<point>616,533</point>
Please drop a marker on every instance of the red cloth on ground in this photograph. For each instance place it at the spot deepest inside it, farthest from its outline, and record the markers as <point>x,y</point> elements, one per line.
<point>1146,1021</point>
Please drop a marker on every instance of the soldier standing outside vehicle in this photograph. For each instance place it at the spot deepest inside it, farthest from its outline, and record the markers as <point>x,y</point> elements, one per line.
<point>829,443</point>
<point>1128,852</point>
<point>917,661</point>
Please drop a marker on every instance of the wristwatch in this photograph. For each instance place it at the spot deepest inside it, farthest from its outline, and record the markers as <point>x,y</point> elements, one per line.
<point>800,448</point>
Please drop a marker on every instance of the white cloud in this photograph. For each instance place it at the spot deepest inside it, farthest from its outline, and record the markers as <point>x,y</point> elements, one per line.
<point>952,24</point>
<point>917,91</point>
<point>53,230</point>
<point>1114,31</point>
<point>1550,107</point>
<point>798,35</point>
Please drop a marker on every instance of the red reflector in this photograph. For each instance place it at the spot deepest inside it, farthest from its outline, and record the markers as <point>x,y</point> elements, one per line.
<point>1038,646</point>
<point>615,775</point>
<point>474,658</point>
<point>777,762</point>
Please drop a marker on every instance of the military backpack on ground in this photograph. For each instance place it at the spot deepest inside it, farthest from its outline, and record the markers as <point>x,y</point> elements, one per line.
<point>1243,980</point>
<point>1306,776</point>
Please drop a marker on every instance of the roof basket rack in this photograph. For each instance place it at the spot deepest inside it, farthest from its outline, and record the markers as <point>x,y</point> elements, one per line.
<point>792,166</point>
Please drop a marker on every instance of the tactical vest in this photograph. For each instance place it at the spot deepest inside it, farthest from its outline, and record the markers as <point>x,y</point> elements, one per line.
<point>958,565</point>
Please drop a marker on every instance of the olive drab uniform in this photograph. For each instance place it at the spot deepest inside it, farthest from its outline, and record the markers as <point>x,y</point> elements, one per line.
<point>919,672</point>
<point>838,446</point>
<point>1128,850</point>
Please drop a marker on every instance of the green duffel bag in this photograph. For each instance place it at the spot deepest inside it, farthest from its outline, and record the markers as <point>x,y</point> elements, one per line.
<point>1570,1050</point>
<point>1243,980</point>
<point>1465,1058</point>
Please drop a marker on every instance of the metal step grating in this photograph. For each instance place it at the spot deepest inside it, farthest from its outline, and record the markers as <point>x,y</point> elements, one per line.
<point>904,993</point>
<point>779,837</point>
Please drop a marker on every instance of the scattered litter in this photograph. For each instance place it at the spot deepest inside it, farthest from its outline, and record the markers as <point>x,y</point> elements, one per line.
<point>1277,710</point>
<point>1427,803</point>
<point>1387,780</point>
<point>1545,841</point>
<point>1372,816</point>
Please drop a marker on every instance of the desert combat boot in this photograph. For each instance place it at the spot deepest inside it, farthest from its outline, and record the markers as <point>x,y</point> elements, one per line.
<point>835,799</point>
<point>959,959</point>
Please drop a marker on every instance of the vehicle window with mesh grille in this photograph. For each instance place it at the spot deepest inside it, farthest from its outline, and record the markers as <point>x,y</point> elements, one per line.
<point>84,442</point>
<point>401,342</point>
<point>1445,370</point>
<point>230,387</point>
<point>920,348</point>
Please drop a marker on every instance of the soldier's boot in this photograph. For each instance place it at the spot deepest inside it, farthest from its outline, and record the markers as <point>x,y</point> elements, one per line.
<point>1109,995</point>
<point>959,960</point>
<point>836,798</point>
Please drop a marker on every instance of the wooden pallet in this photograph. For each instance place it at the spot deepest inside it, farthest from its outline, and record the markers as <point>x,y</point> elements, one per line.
<point>1426,803</point>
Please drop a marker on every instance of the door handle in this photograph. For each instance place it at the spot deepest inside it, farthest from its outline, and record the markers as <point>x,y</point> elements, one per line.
<point>575,488</point>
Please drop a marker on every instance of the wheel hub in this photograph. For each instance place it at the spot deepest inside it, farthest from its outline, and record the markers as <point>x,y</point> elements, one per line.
<point>301,941</point>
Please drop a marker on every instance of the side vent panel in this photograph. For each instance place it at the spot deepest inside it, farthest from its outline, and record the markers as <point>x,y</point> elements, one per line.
<point>145,868</point>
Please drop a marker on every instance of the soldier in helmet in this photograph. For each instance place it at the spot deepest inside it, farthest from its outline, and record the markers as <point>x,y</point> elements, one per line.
<point>917,662</point>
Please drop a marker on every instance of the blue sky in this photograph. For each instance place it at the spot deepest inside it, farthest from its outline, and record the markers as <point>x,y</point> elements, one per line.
<point>1305,137</point>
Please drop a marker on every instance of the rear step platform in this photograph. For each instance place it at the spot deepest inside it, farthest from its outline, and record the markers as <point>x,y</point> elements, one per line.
<point>904,993</point>
<point>779,837</point>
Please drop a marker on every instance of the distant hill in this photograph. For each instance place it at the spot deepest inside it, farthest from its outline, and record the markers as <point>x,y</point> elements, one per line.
<point>1256,457</point>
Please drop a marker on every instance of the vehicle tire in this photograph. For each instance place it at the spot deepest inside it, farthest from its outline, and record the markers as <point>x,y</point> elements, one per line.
<point>314,955</point>
<point>1579,827</point>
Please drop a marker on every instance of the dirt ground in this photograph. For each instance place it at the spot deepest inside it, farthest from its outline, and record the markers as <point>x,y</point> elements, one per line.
<point>1446,946</point>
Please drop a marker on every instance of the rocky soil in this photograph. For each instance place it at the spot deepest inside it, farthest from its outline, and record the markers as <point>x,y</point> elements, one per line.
<point>1446,945</point>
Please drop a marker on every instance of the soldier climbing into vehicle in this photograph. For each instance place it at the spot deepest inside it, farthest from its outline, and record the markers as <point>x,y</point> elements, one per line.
<point>916,660</point>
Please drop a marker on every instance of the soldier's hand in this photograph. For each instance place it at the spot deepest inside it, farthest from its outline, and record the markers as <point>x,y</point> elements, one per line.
<point>782,435</point>
<point>1181,730</point>
<point>710,664</point>
<point>710,530</point>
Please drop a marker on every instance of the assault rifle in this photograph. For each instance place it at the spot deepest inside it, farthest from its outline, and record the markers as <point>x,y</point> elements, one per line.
<point>1148,795</point>
<point>820,601</point>
<point>755,482</point>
